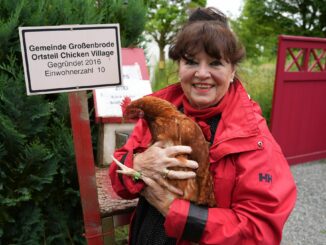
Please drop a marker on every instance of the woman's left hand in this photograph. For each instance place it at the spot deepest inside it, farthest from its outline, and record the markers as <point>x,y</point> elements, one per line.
<point>158,196</point>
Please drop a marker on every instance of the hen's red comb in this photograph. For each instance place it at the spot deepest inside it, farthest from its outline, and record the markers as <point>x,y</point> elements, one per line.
<point>125,102</point>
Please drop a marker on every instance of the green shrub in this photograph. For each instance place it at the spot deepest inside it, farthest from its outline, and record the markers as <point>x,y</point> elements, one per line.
<point>258,80</point>
<point>166,76</point>
<point>39,192</point>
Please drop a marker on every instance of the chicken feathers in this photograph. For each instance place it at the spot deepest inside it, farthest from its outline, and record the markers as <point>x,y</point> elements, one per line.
<point>172,127</point>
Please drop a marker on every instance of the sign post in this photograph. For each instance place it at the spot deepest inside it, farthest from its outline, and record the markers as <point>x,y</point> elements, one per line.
<point>85,166</point>
<point>71,59</point>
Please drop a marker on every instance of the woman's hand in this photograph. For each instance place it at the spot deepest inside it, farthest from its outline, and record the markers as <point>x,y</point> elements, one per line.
<point>155,161</point>
<point>157,158</point>
<point>158,196</point>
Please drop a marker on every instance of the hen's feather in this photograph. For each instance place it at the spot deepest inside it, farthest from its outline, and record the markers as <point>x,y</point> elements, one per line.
<point>169,125</point>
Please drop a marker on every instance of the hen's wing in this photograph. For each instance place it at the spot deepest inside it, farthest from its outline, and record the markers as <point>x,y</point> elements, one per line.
<point>172,127</point>
<point>192,135</point>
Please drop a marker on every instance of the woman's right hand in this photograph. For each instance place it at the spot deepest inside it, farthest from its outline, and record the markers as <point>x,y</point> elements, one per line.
<point>155,162</point>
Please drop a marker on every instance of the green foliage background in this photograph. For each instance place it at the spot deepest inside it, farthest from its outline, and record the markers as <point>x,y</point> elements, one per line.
<point>165,18</point>
<point>261,22</point>
<point>39,193</point>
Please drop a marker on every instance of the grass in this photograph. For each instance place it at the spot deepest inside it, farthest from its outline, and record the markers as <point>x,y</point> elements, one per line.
<point>165,77</point>
<point>258,79</point>
<point>121,235</point>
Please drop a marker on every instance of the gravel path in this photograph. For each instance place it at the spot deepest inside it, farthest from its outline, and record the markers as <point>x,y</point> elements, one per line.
<point>307,223</point>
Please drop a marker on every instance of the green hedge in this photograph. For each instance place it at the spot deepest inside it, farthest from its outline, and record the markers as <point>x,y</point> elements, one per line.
<point>39,193</point>
<point>258,79</point>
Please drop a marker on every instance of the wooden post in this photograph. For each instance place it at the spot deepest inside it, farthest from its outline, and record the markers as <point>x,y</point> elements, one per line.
<point>85,166</point>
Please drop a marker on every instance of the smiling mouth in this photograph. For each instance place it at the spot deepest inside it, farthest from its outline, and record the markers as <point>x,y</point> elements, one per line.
<point>202,86</point>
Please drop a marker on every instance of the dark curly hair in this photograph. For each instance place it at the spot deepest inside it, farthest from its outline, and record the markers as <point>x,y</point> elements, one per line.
<point>207,29</point>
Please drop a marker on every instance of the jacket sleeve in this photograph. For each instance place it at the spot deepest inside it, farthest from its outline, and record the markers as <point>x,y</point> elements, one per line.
<point>138,141</point>
<point>263,196</point>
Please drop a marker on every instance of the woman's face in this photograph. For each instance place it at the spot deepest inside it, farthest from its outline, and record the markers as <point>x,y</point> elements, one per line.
<point>204,79</point>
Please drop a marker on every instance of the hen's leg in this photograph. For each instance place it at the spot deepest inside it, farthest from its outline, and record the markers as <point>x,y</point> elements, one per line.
<point>138,175</point>
<point>126,170</point>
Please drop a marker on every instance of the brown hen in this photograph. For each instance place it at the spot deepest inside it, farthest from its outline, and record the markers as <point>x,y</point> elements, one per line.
<point>172,127</point>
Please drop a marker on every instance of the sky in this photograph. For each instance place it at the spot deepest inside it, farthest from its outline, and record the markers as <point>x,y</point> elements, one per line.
<point>229,7</point>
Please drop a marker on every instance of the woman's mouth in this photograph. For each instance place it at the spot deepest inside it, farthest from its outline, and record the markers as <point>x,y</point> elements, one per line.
<point>203,86</point>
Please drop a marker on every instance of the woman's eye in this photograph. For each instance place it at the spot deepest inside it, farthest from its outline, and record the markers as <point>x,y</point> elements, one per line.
<point>216,63</point>
<point>190,61</point>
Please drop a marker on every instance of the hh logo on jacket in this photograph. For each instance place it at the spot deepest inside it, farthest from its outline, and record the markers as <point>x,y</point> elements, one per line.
<point>265,177</point>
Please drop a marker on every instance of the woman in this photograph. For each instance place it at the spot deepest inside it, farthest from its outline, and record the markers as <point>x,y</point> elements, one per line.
<point>253,185</point>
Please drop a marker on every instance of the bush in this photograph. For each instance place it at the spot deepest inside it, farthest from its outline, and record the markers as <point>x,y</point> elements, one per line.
<point>166,76</point>
<point>39,193</point>
<point>258,80</point>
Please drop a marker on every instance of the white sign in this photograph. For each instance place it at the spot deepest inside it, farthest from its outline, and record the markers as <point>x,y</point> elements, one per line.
<point>131,72</point>
<point>70,58</point>
<point>108,100</point>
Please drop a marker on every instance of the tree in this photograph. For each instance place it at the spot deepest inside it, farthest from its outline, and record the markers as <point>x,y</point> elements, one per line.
<point>308,15</point>
<point>131,16</point>
<point>164,20</point>
<point>262,21</point>
<point>39,196</point>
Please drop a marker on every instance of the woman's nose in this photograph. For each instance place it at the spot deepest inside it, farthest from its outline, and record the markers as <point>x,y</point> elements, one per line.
<point>202,72</point>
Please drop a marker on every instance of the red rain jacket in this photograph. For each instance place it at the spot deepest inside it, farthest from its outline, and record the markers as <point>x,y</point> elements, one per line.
<point>254,188</point>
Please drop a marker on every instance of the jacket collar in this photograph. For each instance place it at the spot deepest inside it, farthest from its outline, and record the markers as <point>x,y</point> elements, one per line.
<point>238,129</point>
<point>238,118</point>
